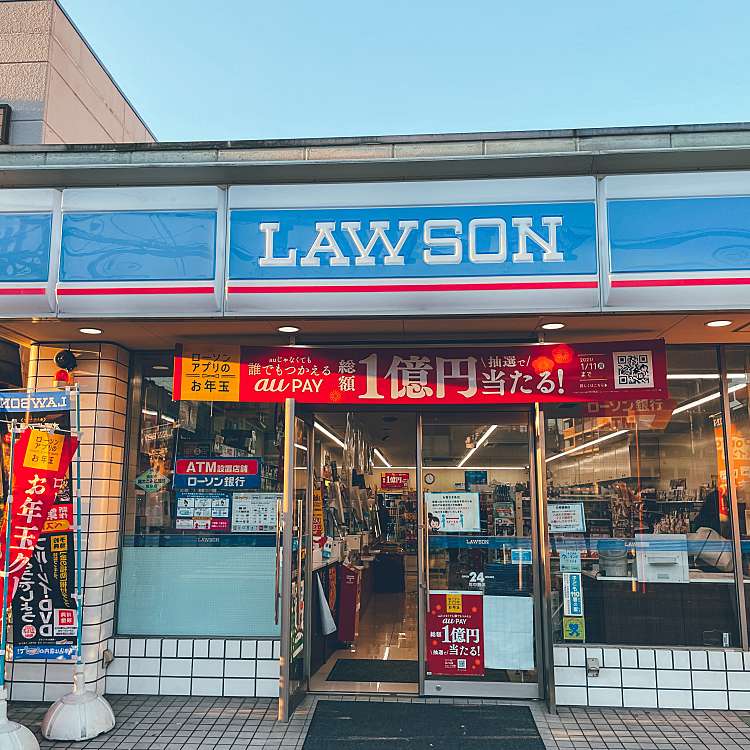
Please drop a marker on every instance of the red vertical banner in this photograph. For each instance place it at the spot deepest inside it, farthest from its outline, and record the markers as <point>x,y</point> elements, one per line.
<point>455,634</point>
<point>40,465</point>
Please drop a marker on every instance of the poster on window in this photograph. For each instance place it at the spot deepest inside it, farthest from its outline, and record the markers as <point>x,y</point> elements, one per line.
<point>254,512</point>
<point>44,608</point>
<point>455,638</point>
<point>524,373</point>
<point>452,511</point>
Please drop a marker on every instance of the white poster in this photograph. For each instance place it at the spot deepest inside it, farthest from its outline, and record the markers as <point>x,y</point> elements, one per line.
<point>254,512</point>
<point>452,511</point>
<point>566,517</point>
<point>508,632</point>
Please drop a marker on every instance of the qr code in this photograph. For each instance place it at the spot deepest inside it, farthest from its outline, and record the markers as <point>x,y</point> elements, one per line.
<point>633,370</point>
<point>461,663</point>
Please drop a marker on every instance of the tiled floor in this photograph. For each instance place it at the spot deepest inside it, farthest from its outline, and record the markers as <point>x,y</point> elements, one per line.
<point>183,723</point>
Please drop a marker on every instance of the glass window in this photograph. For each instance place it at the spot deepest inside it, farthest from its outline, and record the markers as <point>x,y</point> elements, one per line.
<point>738,367</point>
<point>199,550</point>
<point>639,522</point>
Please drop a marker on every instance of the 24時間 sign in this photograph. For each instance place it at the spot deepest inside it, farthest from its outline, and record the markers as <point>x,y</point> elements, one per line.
<point>464,375</point>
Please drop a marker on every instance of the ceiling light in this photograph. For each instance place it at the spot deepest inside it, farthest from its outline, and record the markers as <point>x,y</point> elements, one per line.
<point>479,444</point>
<point>320,428</point>
<point>91,331</point>
<point>161,368</point>
<point>288,329</point>
<point>553,326</point>
<point>382,458</point>
<point>586,445</point>
<point>719,323</point>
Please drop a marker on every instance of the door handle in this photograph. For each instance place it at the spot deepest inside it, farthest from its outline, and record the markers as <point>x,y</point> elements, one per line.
<point>277,592</point>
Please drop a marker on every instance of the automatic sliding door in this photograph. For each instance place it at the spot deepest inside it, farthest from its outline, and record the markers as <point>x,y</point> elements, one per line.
<point>479,609</point>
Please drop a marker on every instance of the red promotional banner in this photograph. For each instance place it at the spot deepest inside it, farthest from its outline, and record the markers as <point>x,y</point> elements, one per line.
<point>623,370</point>
<point>40,466</point>
<point>394,480</point>
<point>455,634</point>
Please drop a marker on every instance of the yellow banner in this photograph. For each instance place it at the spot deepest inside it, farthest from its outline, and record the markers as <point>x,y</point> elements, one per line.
<point>453,603</point>
<point>209,372</point>
<point>44,450</point>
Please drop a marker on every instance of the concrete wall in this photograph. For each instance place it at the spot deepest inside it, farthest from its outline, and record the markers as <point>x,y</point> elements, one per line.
<point>58,90</point>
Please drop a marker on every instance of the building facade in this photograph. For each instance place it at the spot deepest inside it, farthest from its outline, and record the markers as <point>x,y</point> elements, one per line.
<point>629,535</point>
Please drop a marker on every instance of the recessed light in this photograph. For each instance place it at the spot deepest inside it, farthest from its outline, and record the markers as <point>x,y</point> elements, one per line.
<point>719,323</point>
<point>288,329</point>
<point>553,326</point>
<point>91,331</point>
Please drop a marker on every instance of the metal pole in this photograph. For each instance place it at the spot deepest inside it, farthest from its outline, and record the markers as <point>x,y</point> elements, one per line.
<point>6,559</point>
<point>423,562</point>
<point>726,421</point>
<point>79,683</point>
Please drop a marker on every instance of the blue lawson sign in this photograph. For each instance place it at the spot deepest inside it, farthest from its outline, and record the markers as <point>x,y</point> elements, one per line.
<point>22,401</point>
<point>534,239</point>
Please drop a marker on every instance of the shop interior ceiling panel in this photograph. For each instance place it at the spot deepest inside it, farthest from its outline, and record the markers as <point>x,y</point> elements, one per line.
<point>677,241</point>
<point>28,252</point>
<point>147,252</point>
<point>413,248</point>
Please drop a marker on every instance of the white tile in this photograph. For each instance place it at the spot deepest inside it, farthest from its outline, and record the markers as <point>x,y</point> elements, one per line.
<point>681,659</point>
<point>153,647</point>
<point>239,668</point>
<point>216,649</point>
<point>746,654</point>
<point>607,677</point>
<point>605,696</point>
<point>200,649</point>
<point>168,648</point>
<point>277,649</point>
<point>638,698</point>
<point>185,648</point>
<point>571,696</point>
<point>673,679</point>
<point>629,658</point>
<point>560,656</point>
<point>595,653</point>
<point>639,678</point>
<point>117,685</point>
<point>210,686</point>
<point>208,667</point>
<point>145,666</point>
<point>270,668</point>
<point>709,680</point>
<point>248,649</point>
<point>699,660</point>
<point>54,691</point>
<point>267,688</point>
<point>119,666</point>
<point>27,691</point>
<point>646,658</point>
<point>137,646</point>
<point>716,660</point>
<point>174,686</point>
<point>577,657</point>
<point>738,680</point>
<point>243,688</point>
<point>60,673</point>
<point>739,701</point>
<point>663,659</point>
<point>265,649</point>
<point>611,657</point>
<point>734,660</point>
<point>570,676</point>
<point>675,698</point>
<point>122,647</point>
<point>710,699</point>
<point>28,672</point>
<point>176,667</point>
<point>232,649</point>
<point>143,686</point>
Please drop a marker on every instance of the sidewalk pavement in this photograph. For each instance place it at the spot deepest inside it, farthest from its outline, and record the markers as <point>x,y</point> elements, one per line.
<point>188,723</point>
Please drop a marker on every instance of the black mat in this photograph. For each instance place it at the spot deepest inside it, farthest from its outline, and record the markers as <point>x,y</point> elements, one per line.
<point>374,670</point>
<point>359,725</point>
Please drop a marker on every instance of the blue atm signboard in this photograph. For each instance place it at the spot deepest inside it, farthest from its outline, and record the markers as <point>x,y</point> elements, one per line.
<point>217,473</point>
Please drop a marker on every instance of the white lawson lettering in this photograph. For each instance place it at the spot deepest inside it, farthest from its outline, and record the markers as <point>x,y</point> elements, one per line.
<point>379,229</point>
<point>548,246</point>
<point>455,242</point>
<point>325,234</point>
<point>269,259</point>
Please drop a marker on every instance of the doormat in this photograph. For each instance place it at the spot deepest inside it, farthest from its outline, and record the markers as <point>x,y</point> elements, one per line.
<point>374,670</point>
<point>359,725</point>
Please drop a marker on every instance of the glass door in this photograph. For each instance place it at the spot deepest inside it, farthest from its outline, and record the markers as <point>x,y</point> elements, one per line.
<point>479,551</point>
<point>293,544</point>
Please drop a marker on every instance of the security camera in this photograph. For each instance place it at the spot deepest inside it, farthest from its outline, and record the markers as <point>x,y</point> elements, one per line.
<point>66,360</point>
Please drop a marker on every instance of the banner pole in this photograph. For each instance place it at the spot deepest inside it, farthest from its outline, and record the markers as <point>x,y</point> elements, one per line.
<point>79,551</point>
<point>6,564</point>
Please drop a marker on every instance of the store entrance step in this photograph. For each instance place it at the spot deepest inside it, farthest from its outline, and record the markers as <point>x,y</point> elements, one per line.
<point>374,670</point>
<point>360,725</point>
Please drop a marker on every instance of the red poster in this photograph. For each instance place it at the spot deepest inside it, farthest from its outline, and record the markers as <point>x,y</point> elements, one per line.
<point>623,370</point>
<point>40,465</point>
<point>394,480</point>
<point>455,637</point>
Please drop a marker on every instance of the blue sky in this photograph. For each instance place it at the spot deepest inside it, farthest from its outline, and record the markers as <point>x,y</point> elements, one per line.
<point>236,69</point>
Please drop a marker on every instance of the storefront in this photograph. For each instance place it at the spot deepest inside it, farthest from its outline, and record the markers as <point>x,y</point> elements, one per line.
<point>502,453</point>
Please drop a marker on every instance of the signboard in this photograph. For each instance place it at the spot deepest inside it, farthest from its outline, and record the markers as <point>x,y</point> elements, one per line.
<point>209,372</point>
<point>475,476</point>
<point>455,638</point>
<point>645,413</point>
<point>318,521</point>
<point>394,480</point>
<point>452,511</point>
<point>254,512</point>
<point>572,595</point>
<point>203,510</point>
<point>739,446</point>
<point>217,473</point>
<point>566,517</point>
<point>570,561</point>
<point>463,375</point>
<point>574,628</point>
<point>151,481</point>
